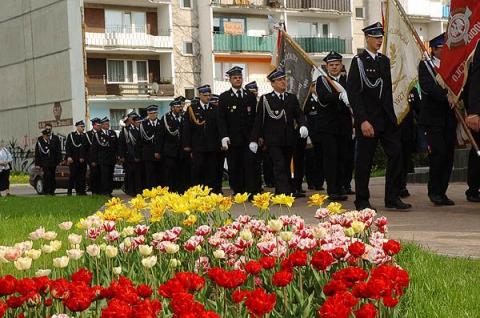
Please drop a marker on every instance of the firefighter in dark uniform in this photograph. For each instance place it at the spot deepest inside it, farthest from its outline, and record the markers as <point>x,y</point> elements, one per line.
<point>473,121</point>
<point>237,113</point>
<point>48,155</point>
<point>76,153</point>
<point>274,123</point>
<point>313,157</point>
<point>252,87</point>
<point>438,118</point>
<point>94,176</point>
<point>174,158</point>
<point>369,89</point>
<point>298,158</point>
<point>334,125</point>
<point>130,154</point>
<point>104,155</point>
<point>151,160</point>
<point>221,154</point>
<point>201,139</point>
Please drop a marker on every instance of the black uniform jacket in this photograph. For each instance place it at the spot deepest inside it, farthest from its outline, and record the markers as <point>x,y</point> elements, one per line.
<point>48,153</point>
<point>237,116</point>
<point>369,89</point>
<point>170,136</point>
<point>104,148</point>
<point>277,129</point>
<point>201,128</point>
<point>130,144</point>
<point>76,146</point>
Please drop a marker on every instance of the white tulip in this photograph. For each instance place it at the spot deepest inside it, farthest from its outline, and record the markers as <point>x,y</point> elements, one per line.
<point>219,254</point>
<point>149,262</point>
<point>23,263</point>
<point>275,225</point>
<point>74,239</point>
<point>65,225</point>
<point>145,250</point>
<point>47,249</point>
<point>286,236</point>
<point>56,245</point>
<point>43,272</point>
<point>117,270</point>
<point>93,250</point>
<point>50,235</point>
<point>111,251</point>
<point>171,248</point>
<point>246,235</point>
<point>33,254</point>
<point>61,262</point>
<point>75,254</point>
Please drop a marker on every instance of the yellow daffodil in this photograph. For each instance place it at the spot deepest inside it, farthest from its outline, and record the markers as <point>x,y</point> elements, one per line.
<point>225,204</point>
<point>334,208</point>
<point>191,220</point>
<point>138,202</point>
<point>262,200</point>
<point>317,199</point>
<point>283,199</point>
<point>240,198</point>
<point>135,218</point>
<point>113,202</point>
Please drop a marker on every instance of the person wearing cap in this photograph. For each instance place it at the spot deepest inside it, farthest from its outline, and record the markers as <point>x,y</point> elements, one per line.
<point>201,139</point>
<point>369,89</point>
<point>274,123</point>
<point>174,158</point>
<point>130,154</point>
<point>333,130</point>
<point>237,113</point>
<point>472,105</point>
<point>47,156</point>
<point>221,154</point>
<point>438,117</point>
<point>151,159</point>
<point>104,155</point>
<point>313,157</point>
<point>94,175</point>
<point>76,147</point>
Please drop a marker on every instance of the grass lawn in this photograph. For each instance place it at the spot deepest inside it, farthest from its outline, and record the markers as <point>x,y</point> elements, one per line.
<point>440,286</point>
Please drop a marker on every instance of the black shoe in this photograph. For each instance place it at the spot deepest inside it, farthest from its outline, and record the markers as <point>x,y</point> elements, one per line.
<point>446,200</point>
<point>473,198</point>
<point>342,191</point>
<point>337,197</point>
<point>298,195</point>
<point>404,193</point>
<point>363,206</point>
<point>349,191</point>
<point>436,199</point>
<point>398,205</point>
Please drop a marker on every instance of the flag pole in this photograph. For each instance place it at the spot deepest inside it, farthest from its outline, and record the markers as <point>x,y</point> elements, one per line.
<point>420,43</point>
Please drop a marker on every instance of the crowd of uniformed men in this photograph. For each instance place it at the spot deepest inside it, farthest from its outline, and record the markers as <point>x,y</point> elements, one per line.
<point>334,136</point>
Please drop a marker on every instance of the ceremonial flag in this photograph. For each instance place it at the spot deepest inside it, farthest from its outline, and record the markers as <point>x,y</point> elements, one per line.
<point>298,66</point>
<point>462,36</point>
<point>405,54</point>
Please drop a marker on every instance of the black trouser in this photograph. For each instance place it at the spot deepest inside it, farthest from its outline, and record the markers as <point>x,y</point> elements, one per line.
<point>242,169</point>
<point>49,183</point>
<point>473,177</point>
<point>176,173</point>
<point>334,157</point>
<point>407,162</point>
<point>365,150</point>
<point>205,168</point>
<point>267,168</point>
<point>95,179</point>
<point>133,177</point>
<point>313,169</point>
<point>219,174</point>
<point>106,179</point>
<point>77,176</point>
<point>349,162</point>
<point>441,144</point>
<point>281,158</point>
<point>299,163</point>
<point>153,173</point>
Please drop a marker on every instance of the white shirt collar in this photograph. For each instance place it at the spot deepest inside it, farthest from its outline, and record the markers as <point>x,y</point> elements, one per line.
<point>373,55</point>
<point>235,90</point>
<point>337,78</point>
<point>204,106</point>
<point>278,94</point>
<point>436,62</point>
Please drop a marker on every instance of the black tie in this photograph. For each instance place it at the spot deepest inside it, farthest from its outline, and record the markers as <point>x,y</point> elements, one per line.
<point>239,94</point>
<point>281,97</point>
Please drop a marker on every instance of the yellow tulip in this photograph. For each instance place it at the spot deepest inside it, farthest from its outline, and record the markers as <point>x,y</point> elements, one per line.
<point>241,198</point>
<point>283,199</point>
<point>334,208</point>
<point>262,200</point>
<point>317,199</point>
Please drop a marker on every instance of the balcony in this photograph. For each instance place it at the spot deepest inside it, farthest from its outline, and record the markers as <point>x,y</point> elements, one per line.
<point>319,45</point>
<point>248,3</point>
<point>98,86</point>
<point>117,38</point>
<point>242,43</point>
<point>324,5</point>
<point>220,86</point>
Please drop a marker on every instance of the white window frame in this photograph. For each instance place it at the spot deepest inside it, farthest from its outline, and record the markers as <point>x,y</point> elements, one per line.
<point>182,5</point>
<point>134,71</point>
<point>363,13</point>
<point>184,53</point>
<point>133,26</point>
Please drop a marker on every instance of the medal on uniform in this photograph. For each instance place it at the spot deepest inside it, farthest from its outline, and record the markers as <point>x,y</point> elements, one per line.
<point>234,107</point>
<point>276,112</point>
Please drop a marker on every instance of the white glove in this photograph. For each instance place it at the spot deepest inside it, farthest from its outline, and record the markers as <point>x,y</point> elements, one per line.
<point>225,142</point>
<point>303,132</point>
<point>344,97</point>
<point>309,141</point>
<point>253,146</point>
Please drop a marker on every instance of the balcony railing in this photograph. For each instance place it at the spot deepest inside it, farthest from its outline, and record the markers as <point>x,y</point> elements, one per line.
<point>118,37</point>
<point>242,43</point>
<point>97,86</point>
<point>249,3</point>
<point>221,86</point>
<point>326,5</point>
<point>319,45</point>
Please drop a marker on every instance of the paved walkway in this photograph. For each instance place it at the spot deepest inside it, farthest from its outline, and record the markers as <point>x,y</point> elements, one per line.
<point>451,231</point>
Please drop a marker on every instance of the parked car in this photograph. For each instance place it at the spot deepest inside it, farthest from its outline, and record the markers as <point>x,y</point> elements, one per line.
<point>62,174</point>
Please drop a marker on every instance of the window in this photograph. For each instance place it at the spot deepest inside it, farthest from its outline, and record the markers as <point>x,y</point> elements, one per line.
<point>216,25</point>
<point>118,21</point>
<point>360,13</point>
<point>308,29</point>
<point>190,93</point>
<point>222,68</point>
<point>325,30</point>
<point>187,48</point>
<point>186,4</point>
<point>127,71</point>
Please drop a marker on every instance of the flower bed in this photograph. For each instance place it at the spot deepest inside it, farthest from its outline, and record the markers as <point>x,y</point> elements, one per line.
<point>168,255</point>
